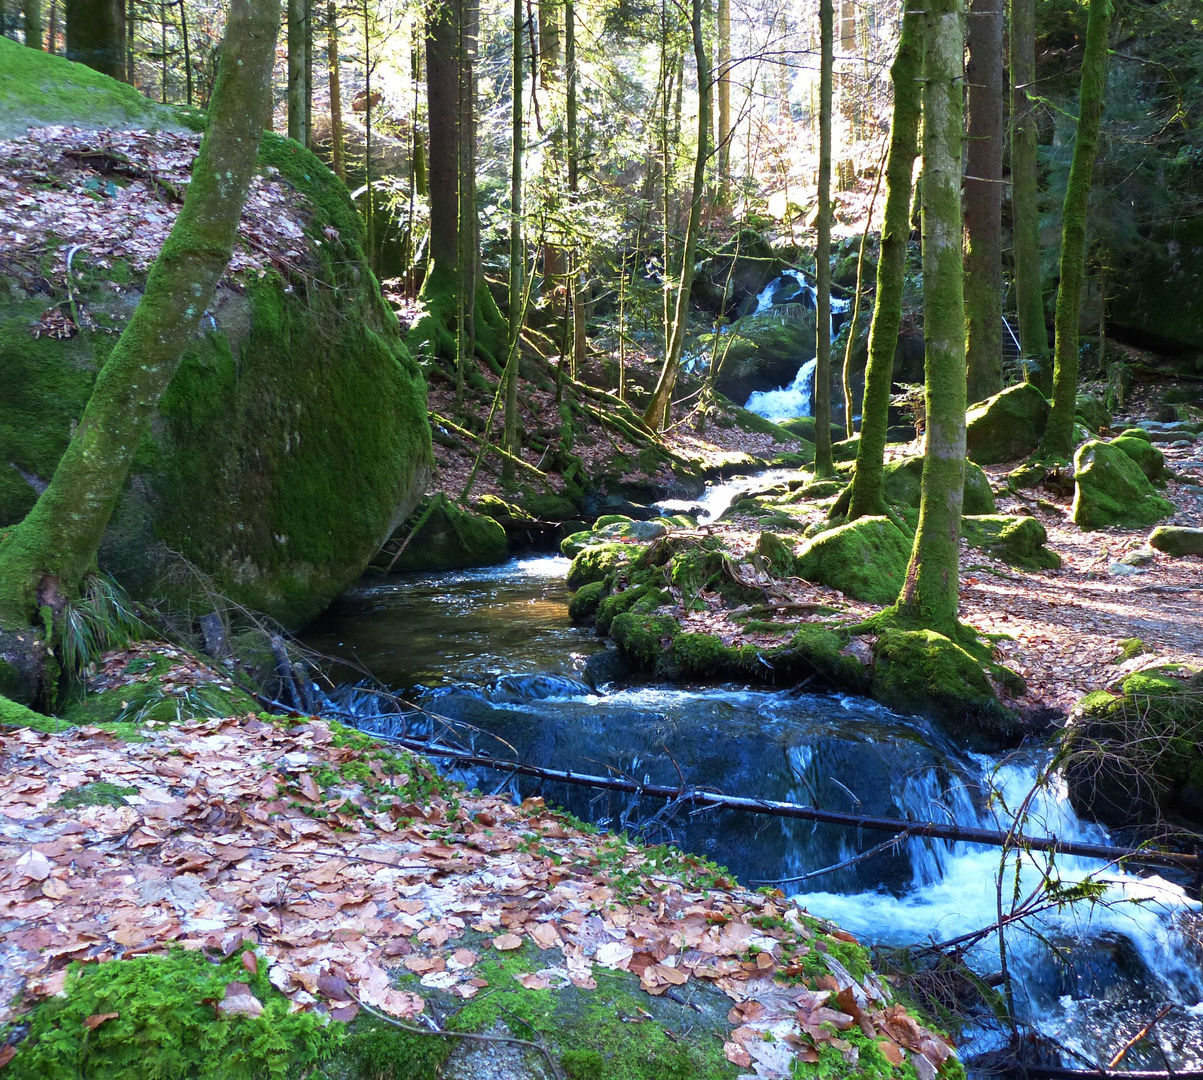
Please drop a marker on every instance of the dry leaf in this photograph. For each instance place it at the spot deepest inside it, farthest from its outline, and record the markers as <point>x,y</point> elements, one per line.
<point>96,1019</point>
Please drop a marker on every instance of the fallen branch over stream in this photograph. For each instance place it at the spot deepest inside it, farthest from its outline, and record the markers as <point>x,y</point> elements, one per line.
<point>698,797</point>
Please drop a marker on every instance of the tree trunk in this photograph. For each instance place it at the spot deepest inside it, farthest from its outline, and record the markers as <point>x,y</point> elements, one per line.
<point>929,594</point>
<point>44,557</point>
<point>336,95</point>
<point>298,122</point>
<point>1025,212</point>
<point>658,409</point>
<point>549,42</point>
<point>442,103</point>
<point>577,282</point>
<point>33,23</point>
<point>983,200</point>
<point>512,440</point>
<point>724,103</point>
<point>823,463</point>
<point>187,52</point>
<point>52,36</point>
<point>369,196</point>
<point>96,35</point>
<point>1058,441</point>
<point>867,496</point>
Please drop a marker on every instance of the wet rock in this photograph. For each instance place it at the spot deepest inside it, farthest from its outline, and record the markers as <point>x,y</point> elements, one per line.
<point>594,562</point>
<point>606,667</point>
<point>762,353</point>
<point>1111,489</point>
<point>1007,426</point>
<point>1177,540</point>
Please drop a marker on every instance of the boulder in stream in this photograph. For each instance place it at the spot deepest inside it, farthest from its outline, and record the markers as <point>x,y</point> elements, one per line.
<point>447,537</point>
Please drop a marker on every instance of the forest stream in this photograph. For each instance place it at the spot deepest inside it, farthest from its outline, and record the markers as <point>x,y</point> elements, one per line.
<point>494,648</point>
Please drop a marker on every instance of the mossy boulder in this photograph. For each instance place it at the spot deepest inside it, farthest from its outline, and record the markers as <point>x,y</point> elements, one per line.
<point>776,554</point>
<point>1092,413</point>
<point>903,484</point>
<point>1177,540</point>
<point>596,561</point>
<point>615,528</point>
<point>1145,454</point>
<point>924,672</point>
<point>1136,757</point>
<point>1006,426</point>
<point>294,436</point>
<point>803,427</point>
<point>448,537</point>
<point>643,637</point>
<point>1133,433</point>
<point>1110,489</point>
<point>865,559</point>
<point>1014,539</point>
<point>584,603</point>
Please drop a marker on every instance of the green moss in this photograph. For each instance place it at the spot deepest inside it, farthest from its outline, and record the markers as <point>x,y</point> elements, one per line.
<point>803,427</point>
<point>903,479</point>
<point>450,538</point>
<point>1093,413</point>
<point>641,598</point>
<point>643,637</point>
<point>39,88</point>
<point>921,671</point>
<point>13,714</point>
<point>585,601</point>
<point>98,793</point>
<point>549,507</point>
<point>1111,489</point>
<point>1133,433</point>
<point>1006,426</point>
<point>818,648</point>
<point>165,1024</point>
<point>595,562</point>
<point>778,556</point>
<point>1177,540</point>
<point>376,1050</point>
<point>865,559</point>
<point>1130,648</point>
<point>1017,540</point>
<point>1150,459</point>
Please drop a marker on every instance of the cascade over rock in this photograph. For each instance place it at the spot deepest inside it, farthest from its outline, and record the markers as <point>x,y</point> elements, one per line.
<point>293,437</point>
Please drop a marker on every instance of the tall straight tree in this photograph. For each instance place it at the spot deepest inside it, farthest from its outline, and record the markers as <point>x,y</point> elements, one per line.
<point>1025,210</point>
<point>32,9</point>
<point>930,592</point>
<point>823,462</point>
<point>983,200</point>
<point>1058,440</point>
<point>657,413</point>
<point>723,84</point>
<point>44,557</point>
<point>333,65</point>
<point>298,76</point>
<point>512,439</point>
<point>96,35</point>
<point>866,495</point>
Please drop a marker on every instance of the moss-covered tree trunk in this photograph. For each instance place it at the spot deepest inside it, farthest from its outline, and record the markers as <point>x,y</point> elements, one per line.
<point>929,594</point>
<point>1058,441</point>
<point>866,491</point>
<point>512,439</point>
<point>96,35</point>
<point>1025,210</point>
<point>32,10</point>
<point>824,466</point>
<point>44,557</point>
<point>658,409</point>
<point>983,200</point>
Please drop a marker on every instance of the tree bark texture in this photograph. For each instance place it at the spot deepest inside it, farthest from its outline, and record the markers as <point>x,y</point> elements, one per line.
<point>549,42</point>
<point>442,96</point>
<point>1025,210</point>
<point>983,200</point>
<point>867,491</point>
<point>43,559</point>
<point>929,594</point>
<point>96,35</point>
<point>336,95</point>
<point>298,121</point>
<point>1059,434</point>
<point>512,439</point>
<point>724,102</point>
<point>823,462</point>
<point>32,9</point>
<point>658,409</point>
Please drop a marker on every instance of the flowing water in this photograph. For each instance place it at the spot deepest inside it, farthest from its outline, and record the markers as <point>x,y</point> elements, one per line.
<point>493,652</point>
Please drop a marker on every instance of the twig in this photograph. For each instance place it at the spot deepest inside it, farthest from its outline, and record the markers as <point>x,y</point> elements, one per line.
<point>1137,1037</point>
<point>835,866</point>
<point>414,1029</point>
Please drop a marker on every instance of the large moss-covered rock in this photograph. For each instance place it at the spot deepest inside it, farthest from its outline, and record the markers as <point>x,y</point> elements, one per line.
<point>865,559</point>
<point>448,537</point>
<point>761,353</point>
<point>903,484</point>
<point>1092,413</point>
<point>921,671</point>
<point>1110,489</point>
<point>1177,540</point>
<point>1135,757</point>
<point>1014,539</point>
<point>1006,426</point>
<point>293,437</point>
<point>596,561</point>
<point>1145,454</point>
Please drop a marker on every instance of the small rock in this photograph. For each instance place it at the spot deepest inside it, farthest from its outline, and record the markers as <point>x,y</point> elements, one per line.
<point>1122,569</point>
<point>1177,540</point>
<point>1140,557</point>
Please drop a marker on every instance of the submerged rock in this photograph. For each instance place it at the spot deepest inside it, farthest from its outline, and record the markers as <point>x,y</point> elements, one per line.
<point>1006,426</point>
<point>1111,489</point>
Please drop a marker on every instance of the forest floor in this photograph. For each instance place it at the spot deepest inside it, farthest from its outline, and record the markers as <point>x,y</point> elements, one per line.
<point>363,880</point>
